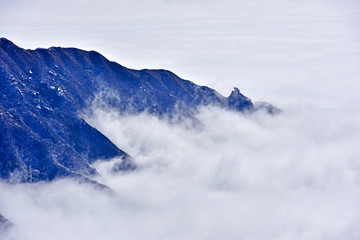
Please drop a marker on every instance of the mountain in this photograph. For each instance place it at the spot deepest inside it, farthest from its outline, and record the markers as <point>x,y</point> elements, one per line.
<point>44,93</point>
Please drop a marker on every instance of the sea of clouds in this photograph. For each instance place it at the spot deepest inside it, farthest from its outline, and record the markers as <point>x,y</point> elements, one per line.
<point>234,176</point>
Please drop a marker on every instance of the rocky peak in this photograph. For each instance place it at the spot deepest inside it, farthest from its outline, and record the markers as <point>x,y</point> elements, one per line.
<point>5,42</point>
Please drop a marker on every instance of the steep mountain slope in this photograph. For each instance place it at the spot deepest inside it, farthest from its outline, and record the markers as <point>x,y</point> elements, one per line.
<point>43,93</point>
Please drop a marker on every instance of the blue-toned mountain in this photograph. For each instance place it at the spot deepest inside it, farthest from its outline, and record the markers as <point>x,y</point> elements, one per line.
<point>44,92</point>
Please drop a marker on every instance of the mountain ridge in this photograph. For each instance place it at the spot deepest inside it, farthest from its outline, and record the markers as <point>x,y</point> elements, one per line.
<point>44,92</point>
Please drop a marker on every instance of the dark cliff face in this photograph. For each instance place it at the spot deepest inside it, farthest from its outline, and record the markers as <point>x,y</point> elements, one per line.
<point>41,135</point>
<point>43,93</point>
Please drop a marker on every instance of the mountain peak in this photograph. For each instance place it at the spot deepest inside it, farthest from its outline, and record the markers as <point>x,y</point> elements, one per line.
<point>238,102</point>
<point>235,92</point>
<point>42,134</point>
<point>4,42</point>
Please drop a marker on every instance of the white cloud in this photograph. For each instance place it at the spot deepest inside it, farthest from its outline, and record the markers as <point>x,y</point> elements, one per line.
<point>294,176</point>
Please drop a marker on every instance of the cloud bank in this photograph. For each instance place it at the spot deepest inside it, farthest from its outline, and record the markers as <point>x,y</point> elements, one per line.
<point>293,176</point>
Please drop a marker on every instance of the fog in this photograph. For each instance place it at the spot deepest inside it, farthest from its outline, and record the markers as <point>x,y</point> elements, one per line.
<point>235,176</point>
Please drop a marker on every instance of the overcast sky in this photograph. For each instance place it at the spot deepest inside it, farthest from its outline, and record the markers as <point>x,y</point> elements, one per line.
<point>257,177</point>
<point>280,51</point>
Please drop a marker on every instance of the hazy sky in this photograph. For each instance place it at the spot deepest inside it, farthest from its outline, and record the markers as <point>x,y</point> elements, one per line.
<point>294,176</point>
<point>280,51</point>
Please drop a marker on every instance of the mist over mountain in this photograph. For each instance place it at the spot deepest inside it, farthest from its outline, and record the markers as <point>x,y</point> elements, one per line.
<point>203,172</point>
<point>45,93</point>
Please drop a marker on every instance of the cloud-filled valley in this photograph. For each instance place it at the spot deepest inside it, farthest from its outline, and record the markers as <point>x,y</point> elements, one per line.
<point>290,176</point>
